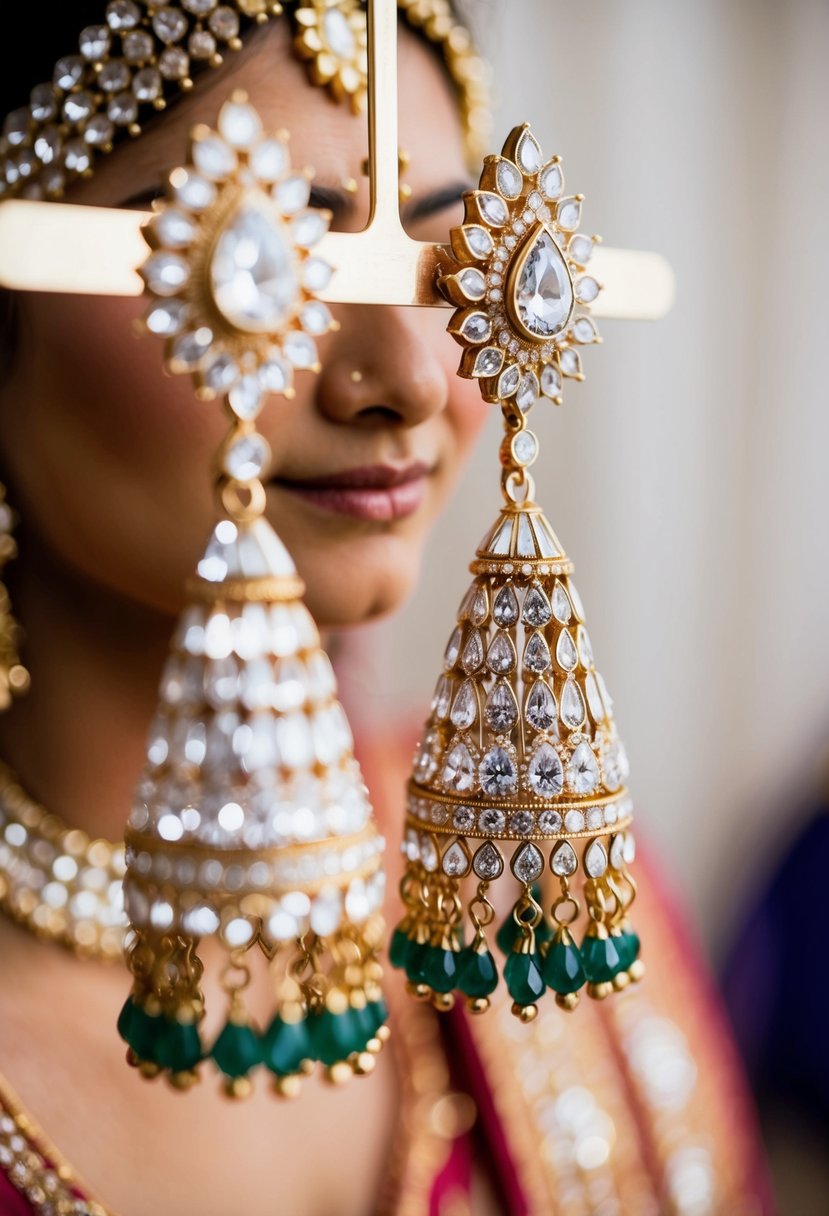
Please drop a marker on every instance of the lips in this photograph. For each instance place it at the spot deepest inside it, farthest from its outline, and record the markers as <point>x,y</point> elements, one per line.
<point>376,493</point>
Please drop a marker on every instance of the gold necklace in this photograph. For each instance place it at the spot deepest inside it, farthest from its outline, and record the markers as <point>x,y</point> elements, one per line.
<point>56,881</point>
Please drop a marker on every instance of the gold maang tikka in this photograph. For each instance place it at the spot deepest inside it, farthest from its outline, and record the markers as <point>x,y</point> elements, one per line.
<point>251,822</point>
<point>519,765</point>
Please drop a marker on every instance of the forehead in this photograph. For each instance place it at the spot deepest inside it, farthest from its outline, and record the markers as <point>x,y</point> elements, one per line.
<point>323,132</point>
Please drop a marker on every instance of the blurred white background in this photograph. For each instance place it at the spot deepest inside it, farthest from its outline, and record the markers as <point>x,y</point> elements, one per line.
<point>688,476</point>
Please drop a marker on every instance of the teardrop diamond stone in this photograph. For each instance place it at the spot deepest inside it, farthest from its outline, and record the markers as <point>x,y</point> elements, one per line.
<point>509,179</point>
<point>537,610</point>
<point>455,860</point>
<point>583,770</point>
<point>545,774</point>
<point>453,647</point>
<point>442,698</point>
<point>585,649</point>
<point>572,705</point>
<point>501,654</point>
<point>529,153</point>
<point>497,773</point>
<point>537,654</point>
<point>465,709</point>
<point>501,710</point>
<point>563,861</point>
<point>543,290</point>
<point>488,862</point>
<point>251,270</point>
<point>528,864</point>
<point>566,656</point>
<point>540,710</point>
<point>429,854</point>
<point>478,606</point>
<point>505,608</point>
<point>595,859</point>
<point>473,652</point>
<point>458,768</point>
<point>617,851</point>
<point>561,605</point>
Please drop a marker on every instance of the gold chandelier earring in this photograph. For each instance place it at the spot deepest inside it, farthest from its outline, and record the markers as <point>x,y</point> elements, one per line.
<point>14,678</point>
<point>519,766</point>
<point>251,822</point>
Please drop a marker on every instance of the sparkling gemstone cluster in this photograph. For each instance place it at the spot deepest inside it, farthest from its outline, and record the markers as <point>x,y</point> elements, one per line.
<point>520,280</point>
<point>233,255</point>
<point>521,746</point>
<point>251,788</point>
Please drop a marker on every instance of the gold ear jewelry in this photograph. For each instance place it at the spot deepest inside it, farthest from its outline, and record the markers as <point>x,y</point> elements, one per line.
<point>14,678</point>
<point>520,747</point>
<point>251,821</point>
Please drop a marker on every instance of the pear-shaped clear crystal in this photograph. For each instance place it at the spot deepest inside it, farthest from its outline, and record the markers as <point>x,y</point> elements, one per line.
<point>252,270</point>
<point>585,649</point>
<point>617,851</point>
<point>465,708</point>
<point>545,775</point>
<point>473,652</point>
<point>572,705</point>
<point>429,854</point>
<point>458,768</point>
<point>540,709</point>
<point>505,607</point>
<point>566,656</point>
<point>509,179</point>
<point>478,606</point>
<point>453,647</point>
<point>543,291</point>
<point>501,709</point>
<point>537,654</point>
<point>583,770</point>
<point>527,863</point>
<point>563,861</point>
<point>595,859</point>
<point>488,862</point>
<point>594,699</point>
<point>500,657</point>
<point>536,611</point>
<point>497,773</point>
<point>562,610</point>
<point>455,860</point>
<point>528,154</point>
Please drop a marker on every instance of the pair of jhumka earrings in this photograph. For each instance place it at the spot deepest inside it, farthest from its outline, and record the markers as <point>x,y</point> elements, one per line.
<point>251,822</point>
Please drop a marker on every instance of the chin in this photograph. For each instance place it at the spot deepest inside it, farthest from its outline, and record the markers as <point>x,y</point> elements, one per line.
<point>361,582</point>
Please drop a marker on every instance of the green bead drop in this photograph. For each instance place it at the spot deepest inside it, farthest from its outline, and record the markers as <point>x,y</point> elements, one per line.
<point>285,1045</point>
<point>379,1011</point>
<point>440,969</point>
<point>335,1036</point>
<point>477,973</point>
<point>142,1031</point>
<point>562,967</point>
<point>524,979</point>
<point>416,961</point>
<point>601,959</point>
<point>237,1050</point>
<point>178,1046</point>
<point>399,948</point>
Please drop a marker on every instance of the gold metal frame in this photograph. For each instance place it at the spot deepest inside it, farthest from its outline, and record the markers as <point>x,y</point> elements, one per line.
<point>64,247</point>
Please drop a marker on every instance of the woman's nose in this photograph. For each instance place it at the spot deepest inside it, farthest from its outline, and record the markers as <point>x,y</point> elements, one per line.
<point>381,368</point>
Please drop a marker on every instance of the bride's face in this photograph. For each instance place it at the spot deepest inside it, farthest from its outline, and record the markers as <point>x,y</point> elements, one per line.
<point>109,460</point>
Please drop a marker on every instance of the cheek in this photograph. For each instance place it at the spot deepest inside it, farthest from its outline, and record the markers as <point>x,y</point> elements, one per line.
<point>110,457</point>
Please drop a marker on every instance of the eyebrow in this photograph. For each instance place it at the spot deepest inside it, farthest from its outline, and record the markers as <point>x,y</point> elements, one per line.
<point>341,203</point>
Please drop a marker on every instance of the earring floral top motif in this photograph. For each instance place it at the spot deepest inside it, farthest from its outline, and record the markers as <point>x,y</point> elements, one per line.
<point>251,821</point>
<point>521,744</point>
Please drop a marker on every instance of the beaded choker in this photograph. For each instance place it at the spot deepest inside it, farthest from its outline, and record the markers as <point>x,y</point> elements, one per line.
<point>55,880</point>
